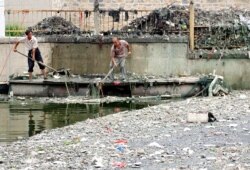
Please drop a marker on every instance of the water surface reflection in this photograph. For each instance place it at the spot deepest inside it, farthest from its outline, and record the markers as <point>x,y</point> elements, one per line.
<point>21,120</point>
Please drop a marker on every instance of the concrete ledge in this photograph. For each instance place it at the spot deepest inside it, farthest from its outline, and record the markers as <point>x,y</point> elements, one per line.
<point>100,39</point>
<point>224,54</point>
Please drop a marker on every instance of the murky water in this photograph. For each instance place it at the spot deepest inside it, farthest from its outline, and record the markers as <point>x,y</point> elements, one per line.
<point>18,120</point>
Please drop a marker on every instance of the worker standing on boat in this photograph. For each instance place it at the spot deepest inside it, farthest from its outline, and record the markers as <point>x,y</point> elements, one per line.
<point>34,53</point>
<point>119,51</point>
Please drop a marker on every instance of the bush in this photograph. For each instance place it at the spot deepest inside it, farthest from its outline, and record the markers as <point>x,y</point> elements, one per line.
<point>14,30</point>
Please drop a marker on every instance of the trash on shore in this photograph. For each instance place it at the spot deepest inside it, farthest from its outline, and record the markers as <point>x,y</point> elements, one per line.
<point>54,25</point>
<point>200,117</point>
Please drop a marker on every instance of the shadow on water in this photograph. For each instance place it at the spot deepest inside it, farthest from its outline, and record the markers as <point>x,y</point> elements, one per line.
<point>22,120</point>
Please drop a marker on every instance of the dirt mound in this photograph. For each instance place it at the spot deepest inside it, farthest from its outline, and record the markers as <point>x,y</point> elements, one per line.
<point>162,20</point>
<point>55,25</point>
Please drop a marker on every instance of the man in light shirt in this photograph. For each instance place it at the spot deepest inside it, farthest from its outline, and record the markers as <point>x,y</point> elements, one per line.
<point>119,51</point>
<point>34,54</point>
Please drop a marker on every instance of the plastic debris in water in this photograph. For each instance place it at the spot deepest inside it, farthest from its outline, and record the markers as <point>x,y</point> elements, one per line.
<point>120,148</point>
<point>116,83</point>
<point>155,144</point>
<point>121,141</point>
<point>119,164</point>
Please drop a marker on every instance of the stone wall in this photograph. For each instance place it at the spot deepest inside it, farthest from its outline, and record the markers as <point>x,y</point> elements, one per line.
<point>126,4</point>
<point>24,19</point>
<point>147,4</point>
<point>28,4</point>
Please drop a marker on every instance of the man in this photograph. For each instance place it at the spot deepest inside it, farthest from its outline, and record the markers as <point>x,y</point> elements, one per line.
<point>34,53</point>
<point>119,51</point>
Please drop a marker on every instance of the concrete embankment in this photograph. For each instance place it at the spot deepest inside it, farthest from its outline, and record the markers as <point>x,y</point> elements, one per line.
<point>157,137</point>
<point>157,55</point>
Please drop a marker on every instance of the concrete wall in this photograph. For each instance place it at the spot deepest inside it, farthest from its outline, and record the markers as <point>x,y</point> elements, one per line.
<point>235,71</point>
<point>151,58</point>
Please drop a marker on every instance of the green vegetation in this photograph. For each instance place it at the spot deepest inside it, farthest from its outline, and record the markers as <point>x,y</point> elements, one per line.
<point>14,30</point>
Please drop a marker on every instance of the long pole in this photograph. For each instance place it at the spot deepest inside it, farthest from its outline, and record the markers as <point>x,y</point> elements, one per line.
<point>66,85</point>
<point>191,25</point>
<point>38,62</point>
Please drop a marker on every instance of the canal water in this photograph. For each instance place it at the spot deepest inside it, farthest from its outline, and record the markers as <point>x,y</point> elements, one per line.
<point>19,121</point>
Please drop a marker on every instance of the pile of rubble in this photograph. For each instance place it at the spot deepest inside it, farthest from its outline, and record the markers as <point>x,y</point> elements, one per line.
<point>160,21</point>
<point>229,28</point>
<point>55,25</point>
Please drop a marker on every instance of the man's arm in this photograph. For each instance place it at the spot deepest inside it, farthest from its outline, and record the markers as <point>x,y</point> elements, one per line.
<point>128,48</point>
<point>33,54</point>
<point>15,47</point>
<point>17,43</point>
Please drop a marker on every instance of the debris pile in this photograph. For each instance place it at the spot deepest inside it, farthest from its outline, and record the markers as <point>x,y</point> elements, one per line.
<point>229,28</point>
<point>224,29</point>
<point>165,20</point>
<point>55,25</point>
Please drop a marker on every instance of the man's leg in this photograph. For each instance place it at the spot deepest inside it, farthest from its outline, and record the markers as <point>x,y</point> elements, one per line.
<point>40,59</point>
<point>31,66</point>
<point>111,76</point>
<point>30,76</point>
<point>122,68</point>
<point>44,73</point>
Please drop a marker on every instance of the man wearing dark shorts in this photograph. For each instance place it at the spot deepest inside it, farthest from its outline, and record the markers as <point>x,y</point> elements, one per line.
<point>119,51</point>
<point>34,53</point>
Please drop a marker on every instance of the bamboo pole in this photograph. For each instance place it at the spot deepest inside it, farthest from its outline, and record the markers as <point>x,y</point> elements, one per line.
<point>191,25</point>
